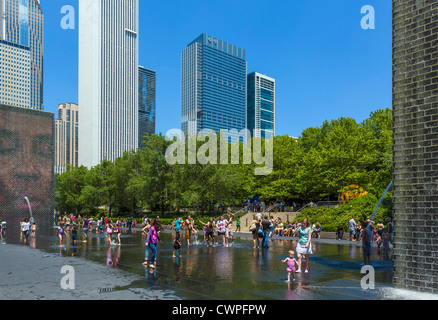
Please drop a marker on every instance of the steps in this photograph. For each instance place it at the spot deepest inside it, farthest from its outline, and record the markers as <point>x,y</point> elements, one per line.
<point>246,220</point>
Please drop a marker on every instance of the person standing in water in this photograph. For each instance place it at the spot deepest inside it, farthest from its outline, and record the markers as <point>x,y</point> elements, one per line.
<point>85,228</point>
<point>189,229</point>
<point>221,230</point>
<point>118,233</point>
<point>3,227</point>
<point>229,229</point>
<point>254,228</point>
<point>25,229</point>
<point>209,231</point>
<point>109,231</point>
<point>151,243</point>
<point>304,247</point>
<point>367,239</point>
<point>61,232</point>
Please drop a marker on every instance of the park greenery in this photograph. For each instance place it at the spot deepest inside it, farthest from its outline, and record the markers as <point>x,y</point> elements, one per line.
<point>313,167</point>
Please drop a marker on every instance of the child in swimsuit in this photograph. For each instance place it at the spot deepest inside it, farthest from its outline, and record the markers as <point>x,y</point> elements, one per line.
<point>61,234</point>
<point>291,261</point>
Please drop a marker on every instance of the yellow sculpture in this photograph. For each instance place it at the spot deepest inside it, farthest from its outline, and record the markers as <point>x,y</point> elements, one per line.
<point>351,192</point>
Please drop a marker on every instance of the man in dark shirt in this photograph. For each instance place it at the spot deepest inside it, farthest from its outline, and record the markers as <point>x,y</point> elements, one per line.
<point>266,227</point>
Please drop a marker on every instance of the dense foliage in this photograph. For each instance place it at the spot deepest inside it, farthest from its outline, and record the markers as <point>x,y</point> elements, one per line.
<point>313,167</point>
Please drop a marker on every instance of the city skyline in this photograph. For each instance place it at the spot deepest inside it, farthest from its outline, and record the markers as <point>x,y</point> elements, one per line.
<point>314,63</point>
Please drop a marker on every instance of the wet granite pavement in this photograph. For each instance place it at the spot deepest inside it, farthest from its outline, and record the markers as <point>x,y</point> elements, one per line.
<point>32,271</point>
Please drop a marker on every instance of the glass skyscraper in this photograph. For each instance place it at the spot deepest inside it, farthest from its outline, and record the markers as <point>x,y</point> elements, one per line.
<point>146,102</point>
<point>213,88</point>
<point>261,106</point>
<point>22,46</point>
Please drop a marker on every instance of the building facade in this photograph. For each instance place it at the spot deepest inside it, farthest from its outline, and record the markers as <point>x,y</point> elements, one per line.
<point>261,106</point>
<point>108,79</point>
<point>213,87</point>
<point>147,80</point>
<point>22,39</point>
<point>66,137</point>
<point>14,75</point>
<point>415,169</point>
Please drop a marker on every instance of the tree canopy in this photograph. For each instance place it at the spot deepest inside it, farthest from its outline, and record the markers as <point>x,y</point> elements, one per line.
<point>316,166</point>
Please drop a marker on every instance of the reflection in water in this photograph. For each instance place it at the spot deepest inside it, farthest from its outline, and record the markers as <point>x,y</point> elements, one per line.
<point>224,264</point>
<point>177,269</point>
<point>151,279</point>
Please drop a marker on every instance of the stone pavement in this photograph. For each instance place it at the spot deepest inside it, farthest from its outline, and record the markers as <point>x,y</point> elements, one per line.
<point>28,274</point>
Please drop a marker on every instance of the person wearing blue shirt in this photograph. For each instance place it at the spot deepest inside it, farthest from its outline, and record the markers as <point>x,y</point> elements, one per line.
<point>178,226</point>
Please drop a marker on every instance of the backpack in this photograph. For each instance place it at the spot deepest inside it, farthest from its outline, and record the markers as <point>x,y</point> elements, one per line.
<point>260,233</point>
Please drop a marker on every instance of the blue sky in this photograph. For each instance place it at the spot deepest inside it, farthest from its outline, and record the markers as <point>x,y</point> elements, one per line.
<point>325,65</point>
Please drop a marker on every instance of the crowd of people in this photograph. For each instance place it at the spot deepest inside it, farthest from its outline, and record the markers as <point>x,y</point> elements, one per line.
<point>220,231</point>
<point>223,226</point>
<point>260,206</point>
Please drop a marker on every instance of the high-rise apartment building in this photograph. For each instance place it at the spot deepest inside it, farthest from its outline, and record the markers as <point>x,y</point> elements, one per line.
<point>146,102</point>
<point>14,75</point>
<point>66,137</point>
<point>21,53</point>
<point>261,105</point>
<point>213,88</point>
<point>108,79</point>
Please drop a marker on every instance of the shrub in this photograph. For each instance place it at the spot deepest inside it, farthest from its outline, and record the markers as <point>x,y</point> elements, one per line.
<point>363,207</point>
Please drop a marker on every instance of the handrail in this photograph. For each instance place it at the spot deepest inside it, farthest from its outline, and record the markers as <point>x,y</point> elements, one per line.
<point>304,207</point>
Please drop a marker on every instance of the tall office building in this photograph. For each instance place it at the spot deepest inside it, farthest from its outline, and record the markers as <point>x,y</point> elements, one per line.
<point>21,53</point>
<point>147,81</point>
<point>213,88</point>
<point>108,79</point>
<point>261,105</point>
<point>66,137</point>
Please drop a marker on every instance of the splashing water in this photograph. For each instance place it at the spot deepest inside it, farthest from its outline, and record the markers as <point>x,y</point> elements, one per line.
<point>381,200</point>
<point>28,205</point>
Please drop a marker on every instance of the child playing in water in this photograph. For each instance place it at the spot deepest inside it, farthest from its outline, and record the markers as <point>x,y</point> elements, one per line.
<point>74,234</point>
<point>176,245</point>
<point>109,232</point>
<point>33,228</point>
<point>195,234</point>
<point>385,241</point>
<point>61,233</point>
<point>291,261</point>
<point>367,238</point>
<point>118,233</point>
